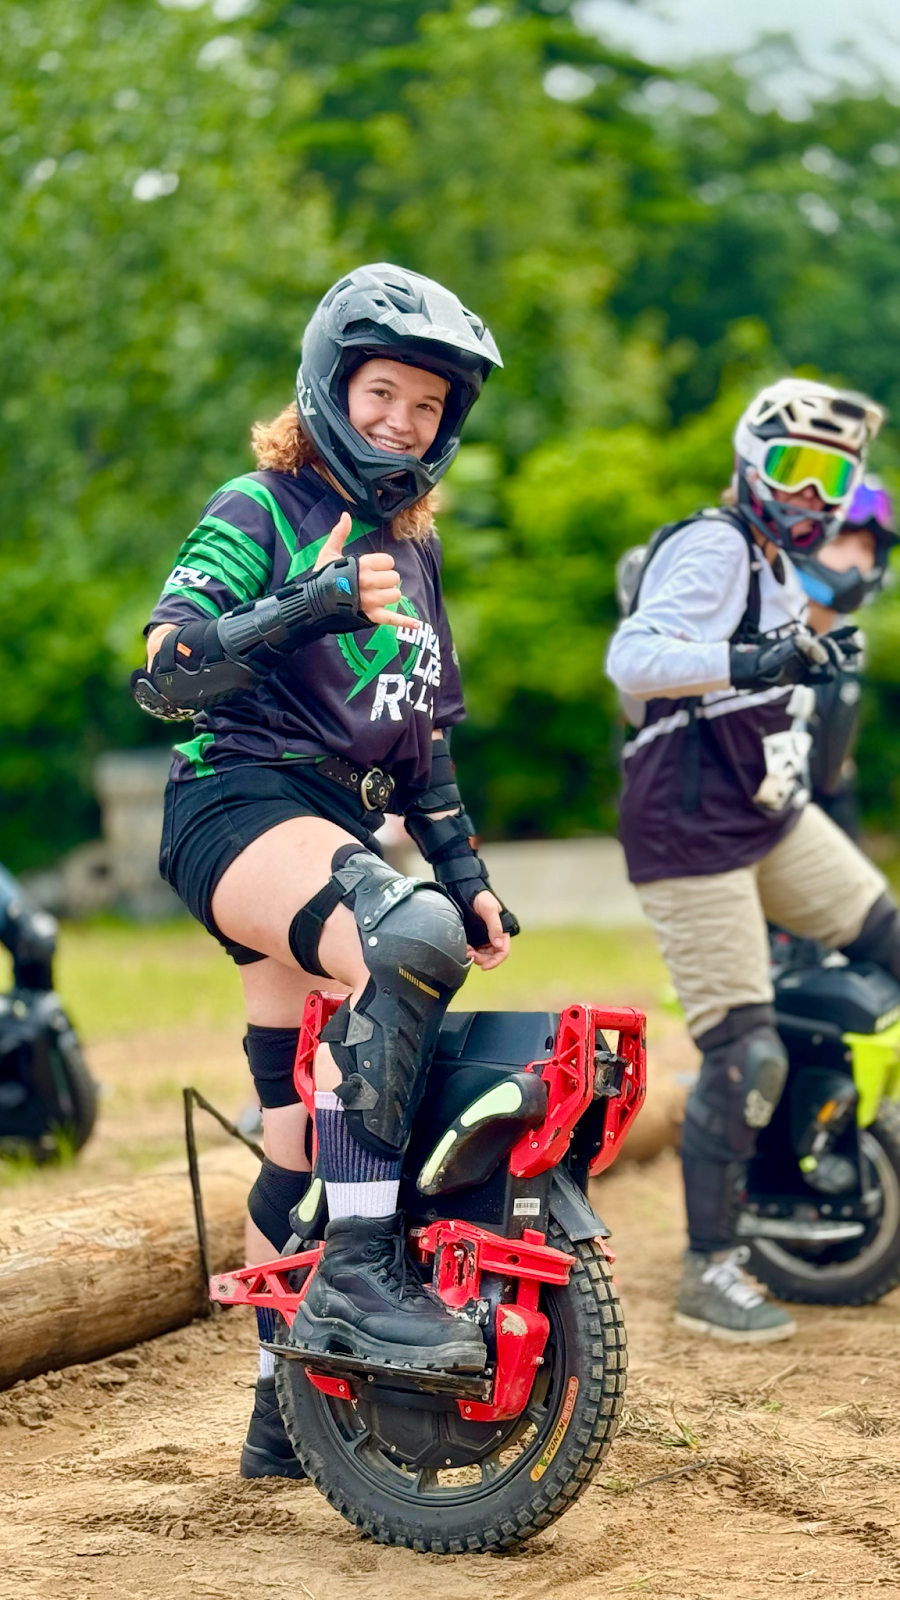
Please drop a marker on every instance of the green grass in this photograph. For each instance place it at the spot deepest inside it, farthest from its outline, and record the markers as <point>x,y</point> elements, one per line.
<point>119,980</point>
<point>162,1006</point>
<point>554,967</point>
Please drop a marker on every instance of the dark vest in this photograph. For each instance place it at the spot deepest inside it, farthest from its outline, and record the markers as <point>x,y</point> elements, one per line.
<point>712,782</point>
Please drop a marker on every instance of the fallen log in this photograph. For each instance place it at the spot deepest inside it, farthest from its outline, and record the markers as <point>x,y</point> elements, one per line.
<point>108,1268</point>
<point>670,1064</point>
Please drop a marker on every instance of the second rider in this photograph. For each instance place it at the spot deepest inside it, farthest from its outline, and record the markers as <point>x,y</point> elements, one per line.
<point>717,669</point>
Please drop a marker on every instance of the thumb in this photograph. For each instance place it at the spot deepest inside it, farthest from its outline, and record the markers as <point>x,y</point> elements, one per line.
<point>334,544</point>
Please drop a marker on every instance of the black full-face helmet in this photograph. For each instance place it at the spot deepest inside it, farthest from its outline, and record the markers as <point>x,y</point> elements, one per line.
<point>387,311</point>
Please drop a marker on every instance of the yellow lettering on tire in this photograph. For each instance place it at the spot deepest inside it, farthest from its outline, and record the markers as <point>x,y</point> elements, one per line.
<point>558,1434</point>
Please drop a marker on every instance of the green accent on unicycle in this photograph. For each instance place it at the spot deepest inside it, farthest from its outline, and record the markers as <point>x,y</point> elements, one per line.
<point>309,1205</point>
<point>433,1164</point>
<point>876,1069</point>
<point>501,1101</point>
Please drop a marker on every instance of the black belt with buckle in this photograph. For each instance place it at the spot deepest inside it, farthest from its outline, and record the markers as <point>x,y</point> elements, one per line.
<point>374,787</point>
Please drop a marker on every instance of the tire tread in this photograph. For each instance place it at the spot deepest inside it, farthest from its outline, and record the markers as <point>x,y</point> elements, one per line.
<point>596,1307</point>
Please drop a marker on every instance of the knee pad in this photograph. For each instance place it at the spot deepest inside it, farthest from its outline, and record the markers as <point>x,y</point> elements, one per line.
<point>879,937</point>
<point>272,1199</point>
<point>414,946</point>
<point>742,1078</point>
<point>271,1053</point>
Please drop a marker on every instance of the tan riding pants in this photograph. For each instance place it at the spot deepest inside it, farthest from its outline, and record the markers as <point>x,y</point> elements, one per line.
<point>712,930</point>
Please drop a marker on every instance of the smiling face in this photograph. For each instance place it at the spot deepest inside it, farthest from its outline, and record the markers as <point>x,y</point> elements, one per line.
<point>396,408</point>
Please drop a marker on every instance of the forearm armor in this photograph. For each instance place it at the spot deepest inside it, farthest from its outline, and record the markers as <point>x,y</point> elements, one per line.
<point>445,843</point>
<point>202,662</point>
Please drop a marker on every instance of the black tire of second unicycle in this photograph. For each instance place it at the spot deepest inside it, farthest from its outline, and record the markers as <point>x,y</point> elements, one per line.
<point>83,1093</point>
<point>857,1273</point>
<point>552,1453</point>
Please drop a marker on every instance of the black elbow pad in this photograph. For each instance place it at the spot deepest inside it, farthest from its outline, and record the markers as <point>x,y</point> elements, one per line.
<point>190,673</point>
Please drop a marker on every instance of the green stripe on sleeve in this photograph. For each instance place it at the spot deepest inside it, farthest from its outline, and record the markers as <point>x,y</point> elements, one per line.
<point>264,497</point>
<point>251,552</point>
<point>219,551</point>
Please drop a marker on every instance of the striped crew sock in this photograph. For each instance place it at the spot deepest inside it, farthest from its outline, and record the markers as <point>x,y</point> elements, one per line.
<point>357,1183</point>
<point>265,1324</point>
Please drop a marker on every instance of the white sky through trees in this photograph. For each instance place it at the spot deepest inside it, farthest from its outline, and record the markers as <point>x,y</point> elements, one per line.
<point>674,31</point>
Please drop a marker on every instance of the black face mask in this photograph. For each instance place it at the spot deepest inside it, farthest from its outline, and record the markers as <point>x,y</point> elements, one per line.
<point>839,591</point>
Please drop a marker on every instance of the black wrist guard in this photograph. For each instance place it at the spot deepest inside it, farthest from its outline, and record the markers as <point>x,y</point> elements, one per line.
<point>202,662</point>
<point>444,841</point>
<point>797,658</point>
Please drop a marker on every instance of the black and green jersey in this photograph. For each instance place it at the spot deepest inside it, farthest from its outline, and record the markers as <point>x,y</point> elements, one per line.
<point>372,697</point>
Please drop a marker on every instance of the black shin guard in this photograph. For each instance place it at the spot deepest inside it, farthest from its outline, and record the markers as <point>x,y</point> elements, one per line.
<point>741,1080</point>
<point>272,1199</point>
<point>271,1053</point>
<point>879,937</point>
<point>414,946</point>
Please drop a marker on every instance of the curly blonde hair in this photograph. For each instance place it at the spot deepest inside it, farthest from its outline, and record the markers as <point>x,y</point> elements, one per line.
<point>282,446</point>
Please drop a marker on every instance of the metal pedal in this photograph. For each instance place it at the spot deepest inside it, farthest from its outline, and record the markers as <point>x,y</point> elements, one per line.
<point>387,1374</point>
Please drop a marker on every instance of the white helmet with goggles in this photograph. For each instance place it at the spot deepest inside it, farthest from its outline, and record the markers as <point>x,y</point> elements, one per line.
<point>798,434</point>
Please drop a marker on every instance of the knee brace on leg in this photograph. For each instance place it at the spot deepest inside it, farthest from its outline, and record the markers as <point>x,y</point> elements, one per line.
<point>742,1077</point>
<point>271,1053</point>
<point>306,929</point>
<point>879,937</point>
<point>272,1199</point>
<point>414,946</point>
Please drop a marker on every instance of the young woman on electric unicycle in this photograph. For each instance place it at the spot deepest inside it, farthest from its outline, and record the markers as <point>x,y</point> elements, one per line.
<point>303,631</point>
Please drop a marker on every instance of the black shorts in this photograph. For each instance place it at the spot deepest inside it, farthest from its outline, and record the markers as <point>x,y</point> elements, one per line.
<point>207,822</point>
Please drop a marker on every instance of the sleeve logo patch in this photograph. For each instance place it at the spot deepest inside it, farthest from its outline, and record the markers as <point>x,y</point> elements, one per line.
<point>187,578</point>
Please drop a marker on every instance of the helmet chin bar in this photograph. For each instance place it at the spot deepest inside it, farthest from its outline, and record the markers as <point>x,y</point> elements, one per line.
<point>777,521</point>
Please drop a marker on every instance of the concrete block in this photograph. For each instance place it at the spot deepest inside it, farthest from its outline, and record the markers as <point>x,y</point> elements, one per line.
<point>558,882</point>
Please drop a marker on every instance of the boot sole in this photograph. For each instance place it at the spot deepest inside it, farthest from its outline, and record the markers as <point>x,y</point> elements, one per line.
<point>331,1336</point>
<point>256,1463</point>
<point>713,1330</point>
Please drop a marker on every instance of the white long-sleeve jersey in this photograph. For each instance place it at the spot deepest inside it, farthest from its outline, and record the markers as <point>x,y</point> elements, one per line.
<point>692,597</point>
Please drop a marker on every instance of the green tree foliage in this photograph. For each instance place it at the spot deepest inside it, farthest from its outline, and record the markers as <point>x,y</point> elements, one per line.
<point>745,213</point>
<point>179,181</point>
<point>537,605</point>
<point>159,244</point>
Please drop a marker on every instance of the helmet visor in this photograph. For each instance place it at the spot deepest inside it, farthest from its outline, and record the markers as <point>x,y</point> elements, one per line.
<point>798,466</point>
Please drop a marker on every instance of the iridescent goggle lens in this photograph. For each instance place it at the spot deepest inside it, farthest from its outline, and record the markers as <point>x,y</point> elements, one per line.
<point>794,466</point>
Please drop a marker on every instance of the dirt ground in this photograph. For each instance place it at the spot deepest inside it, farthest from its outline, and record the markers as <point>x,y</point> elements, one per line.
<point>734,1472</point>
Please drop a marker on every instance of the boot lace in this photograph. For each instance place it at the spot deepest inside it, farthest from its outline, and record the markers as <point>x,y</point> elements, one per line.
<point>392,1261</point>
<point>728,1278</point>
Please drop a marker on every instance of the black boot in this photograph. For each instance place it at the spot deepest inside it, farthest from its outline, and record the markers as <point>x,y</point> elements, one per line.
<point>367,1300</point>
<point>267,1451</point>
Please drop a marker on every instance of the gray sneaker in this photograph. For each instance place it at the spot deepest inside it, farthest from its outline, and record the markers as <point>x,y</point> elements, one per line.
<point>714,1297</point>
